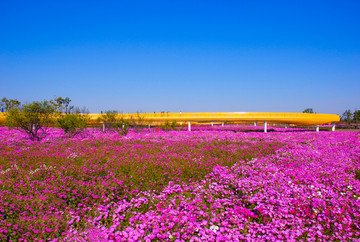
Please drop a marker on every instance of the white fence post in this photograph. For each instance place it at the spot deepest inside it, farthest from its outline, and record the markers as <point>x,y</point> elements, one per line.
<point>265,127</point>
<point>103,126</point>
<point>255,124</point>
<point>189,126</point>
<point>212,124</point>
<point>333,126</point>
<point>317,128</point>
<point>222,124</point>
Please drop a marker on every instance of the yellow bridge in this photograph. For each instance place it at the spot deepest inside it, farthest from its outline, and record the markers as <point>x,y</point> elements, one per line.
<point>263,117</point>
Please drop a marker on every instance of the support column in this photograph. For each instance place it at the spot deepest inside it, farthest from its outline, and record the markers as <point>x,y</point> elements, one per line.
<point>222,124</point>
<point>333,126</point>
<point>265,127</point>
<point>189,126</point>
<point>255,123</point>
<point>317,128</point>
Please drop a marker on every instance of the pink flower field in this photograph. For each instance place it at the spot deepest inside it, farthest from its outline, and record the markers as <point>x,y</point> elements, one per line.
<point>211,184</point>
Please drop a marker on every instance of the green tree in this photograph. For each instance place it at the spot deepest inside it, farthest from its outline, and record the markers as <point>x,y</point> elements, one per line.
<point>73,123</point>
<point>32,118</point>
<point>9,103</point>
<point>347,116</point>
<point>112,121</point>
<point>137,121</point>
<point>356,116</point>
<point>308,110</point>
<point>169,125</point>
<point>62,104</point>
<point>122,126</point>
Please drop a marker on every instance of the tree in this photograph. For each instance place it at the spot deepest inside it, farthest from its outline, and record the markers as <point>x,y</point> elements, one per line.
<point>32,118</point>
<point>347,116</point>
<point>356,116</point>
<point>138,121</point>
<point>9,103</point>
<point>112,121</point>
<point>62,104</point>
<point>72,120</point>
<point>308,110</point>
<point>73,123</point>
<point>169,125</point>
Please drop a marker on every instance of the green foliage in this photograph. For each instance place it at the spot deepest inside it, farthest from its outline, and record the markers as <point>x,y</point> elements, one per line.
<point>31,118</point>
<point>112,121</point>
<point>9,104</point>
<point>122,126</point>
<point>347,116</point>
<point>108,118</point>
<point>62,104</point>
<point>73,123</point>
<point>356,116</point>
<point>350,117</point>
<point>137,121</point>
<point>169,126</point>
<point>308,110</point>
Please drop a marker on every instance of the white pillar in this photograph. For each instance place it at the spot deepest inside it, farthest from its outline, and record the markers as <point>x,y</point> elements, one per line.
<point>333,126</point>
<point>103,126</point>
<point>222,124</point>
<point>189,126</point>
<point>255,123</point>
<point>212,124</point>
<point>317,128</point>
<point>265,127</point>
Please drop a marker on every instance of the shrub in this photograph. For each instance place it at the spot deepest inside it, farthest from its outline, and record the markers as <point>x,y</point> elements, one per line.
<point>31,118</point>
<point>137,122</point>
<point>73,123</point>
<point>308,110</point>
<point>113,122</point>
<point>169,126</point>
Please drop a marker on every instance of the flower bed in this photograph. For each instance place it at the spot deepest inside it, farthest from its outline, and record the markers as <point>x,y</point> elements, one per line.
<point>208,185</point>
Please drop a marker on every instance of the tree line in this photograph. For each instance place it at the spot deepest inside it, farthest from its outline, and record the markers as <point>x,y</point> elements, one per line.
<point>351,117</point>
<point>34,118</point>
<point>348,116</point>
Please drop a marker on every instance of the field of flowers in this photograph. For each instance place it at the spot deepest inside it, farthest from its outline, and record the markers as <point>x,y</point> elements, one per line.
<point>212,184</point>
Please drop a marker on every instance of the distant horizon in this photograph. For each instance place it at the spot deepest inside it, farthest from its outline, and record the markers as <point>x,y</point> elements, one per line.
<point>183,56</point>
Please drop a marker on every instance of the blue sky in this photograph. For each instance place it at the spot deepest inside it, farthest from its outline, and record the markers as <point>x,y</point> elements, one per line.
<point>189,56</point>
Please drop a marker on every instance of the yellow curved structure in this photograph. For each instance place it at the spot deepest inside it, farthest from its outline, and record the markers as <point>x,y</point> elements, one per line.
<point>283,118</point>
<point>2,118</point>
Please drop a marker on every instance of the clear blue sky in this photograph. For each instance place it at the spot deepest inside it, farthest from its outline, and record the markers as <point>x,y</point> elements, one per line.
<point>276,56</point>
